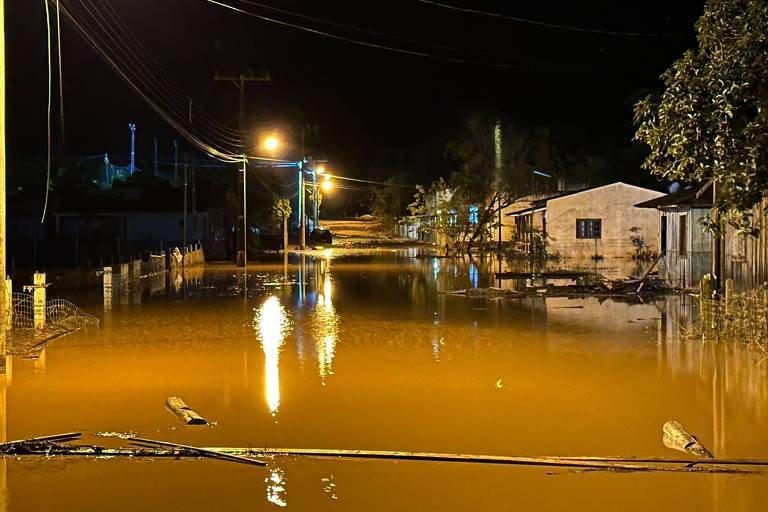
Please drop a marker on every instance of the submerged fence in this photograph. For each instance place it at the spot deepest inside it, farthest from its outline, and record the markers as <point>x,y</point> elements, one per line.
<point>734,317</point>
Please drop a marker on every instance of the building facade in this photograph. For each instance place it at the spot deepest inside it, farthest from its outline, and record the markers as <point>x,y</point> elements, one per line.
<point>596,222</point>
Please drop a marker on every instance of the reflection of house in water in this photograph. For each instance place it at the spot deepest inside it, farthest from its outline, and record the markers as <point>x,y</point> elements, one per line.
<point>593,313</point>
<point>730,381</point>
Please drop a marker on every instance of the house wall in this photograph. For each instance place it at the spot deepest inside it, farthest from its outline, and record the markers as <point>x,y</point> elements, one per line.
<point>685,271</point>
<point>745,258</point>
<point>614,205</point>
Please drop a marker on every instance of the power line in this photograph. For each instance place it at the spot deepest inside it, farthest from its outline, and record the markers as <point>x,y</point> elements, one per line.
<point>50,95</point>
<point>372,182</point>
<point>162,86</point>
<point>544,24</point>
<point>360,42</point>
<point>368,31</point>
<point>156,103</point>
<point>61,74</point>
<point>150,58</point>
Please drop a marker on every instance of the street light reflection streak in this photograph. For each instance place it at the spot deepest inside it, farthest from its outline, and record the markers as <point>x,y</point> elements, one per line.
<point>326,329</point>
<point>272,324</point>
<point>276,492</point>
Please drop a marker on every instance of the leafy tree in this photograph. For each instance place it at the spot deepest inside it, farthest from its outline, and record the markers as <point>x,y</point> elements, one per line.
<point>281,211</point>
<point>710,121</point>
<point>388,201</point>
<point>478,180</point>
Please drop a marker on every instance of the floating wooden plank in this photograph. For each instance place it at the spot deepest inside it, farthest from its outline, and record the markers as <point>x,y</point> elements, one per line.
<point>590,463</point>
<point>202,451</point>
<point>185,413</point>
<point>60,438</point>
<point>676,437</point>
<point>150,448</point>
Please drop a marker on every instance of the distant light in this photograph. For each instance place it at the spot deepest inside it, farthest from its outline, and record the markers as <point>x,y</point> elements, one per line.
<point>320,169</point>
<point>271,143</point>
<point>327,184</point>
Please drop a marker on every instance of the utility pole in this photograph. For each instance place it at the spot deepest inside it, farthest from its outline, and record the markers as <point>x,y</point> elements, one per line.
<point>302,224</point>
<point>240,82</point>
<point>497,145</point>
<point>184,219</point>
<point>245,226</point>
<point>315,193</point>
<point>155,165</point>
<point>133,147</point>
<point>175,163</point>
<point>3,305</point>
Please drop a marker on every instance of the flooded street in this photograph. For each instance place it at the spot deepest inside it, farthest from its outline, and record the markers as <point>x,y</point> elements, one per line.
<point>366,351</point>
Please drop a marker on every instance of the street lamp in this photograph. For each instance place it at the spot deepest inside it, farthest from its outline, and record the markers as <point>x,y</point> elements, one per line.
<point>271,143</point>
<point>327,184</point>
<point>320,169</point>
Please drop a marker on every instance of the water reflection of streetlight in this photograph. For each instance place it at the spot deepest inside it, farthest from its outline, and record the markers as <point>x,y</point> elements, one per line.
<point>326,329</point>
<point>276,492</point>
<point>271,323</point>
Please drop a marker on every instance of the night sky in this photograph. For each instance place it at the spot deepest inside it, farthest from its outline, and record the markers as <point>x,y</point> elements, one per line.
<point>366,101</point>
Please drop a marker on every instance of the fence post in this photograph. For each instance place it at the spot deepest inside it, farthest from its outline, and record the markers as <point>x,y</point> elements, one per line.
<point>705,295</point>
<point>728,295</point>
<point>107,279</point>
<point>8,303</point>
<point>38,294</point>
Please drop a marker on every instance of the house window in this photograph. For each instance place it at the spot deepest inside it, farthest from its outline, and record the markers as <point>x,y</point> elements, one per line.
<point>589,228</point>
<point>682,241</point>
<point>473,214</point>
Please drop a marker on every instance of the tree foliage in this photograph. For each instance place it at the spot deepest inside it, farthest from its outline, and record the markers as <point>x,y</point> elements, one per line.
<point>281,210</point>
<point>710,120</point>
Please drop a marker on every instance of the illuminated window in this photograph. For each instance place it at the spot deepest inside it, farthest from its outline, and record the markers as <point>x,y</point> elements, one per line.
<point>473,214</point>
<point>589,228</point>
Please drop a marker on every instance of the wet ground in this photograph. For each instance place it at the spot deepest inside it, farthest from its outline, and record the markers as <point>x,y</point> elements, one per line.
<point>364,350</point>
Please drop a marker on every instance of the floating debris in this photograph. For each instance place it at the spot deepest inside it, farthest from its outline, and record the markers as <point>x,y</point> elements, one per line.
<point>184,412</point>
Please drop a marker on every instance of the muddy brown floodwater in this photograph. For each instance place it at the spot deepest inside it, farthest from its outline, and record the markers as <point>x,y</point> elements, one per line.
<point>369,354</point>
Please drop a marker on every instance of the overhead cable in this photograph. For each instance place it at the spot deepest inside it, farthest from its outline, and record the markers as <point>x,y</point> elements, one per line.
<point>545,24</point>
<point>368,31</point>
<point>163,87</point>
<point>361,42</point>
<point>154,103</point>
<point>50,95</point>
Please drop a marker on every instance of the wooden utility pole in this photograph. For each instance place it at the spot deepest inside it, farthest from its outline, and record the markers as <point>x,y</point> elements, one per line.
<point>499,161</point>
<point>240,81</point>
<point>3,308</point>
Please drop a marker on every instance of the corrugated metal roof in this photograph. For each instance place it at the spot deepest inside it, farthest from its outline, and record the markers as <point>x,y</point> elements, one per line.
<point>697,196</point>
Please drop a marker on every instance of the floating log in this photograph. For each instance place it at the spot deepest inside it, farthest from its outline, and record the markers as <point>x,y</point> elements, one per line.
<point>202,451</point>
<point>589,463</point>
<point>150,448</point>
<point>177,406</point>
<point>676,437</point>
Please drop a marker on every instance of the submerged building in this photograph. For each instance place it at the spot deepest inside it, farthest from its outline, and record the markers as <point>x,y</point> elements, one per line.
<point>595,222</point>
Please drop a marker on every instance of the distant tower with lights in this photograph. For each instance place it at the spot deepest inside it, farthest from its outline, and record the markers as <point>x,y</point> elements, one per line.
<point>132,168</point>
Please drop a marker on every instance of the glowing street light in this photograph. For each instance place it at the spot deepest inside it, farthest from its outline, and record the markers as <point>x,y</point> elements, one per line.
<point>327,184</point>
<point>271,143</point>
<point>320,169</point>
